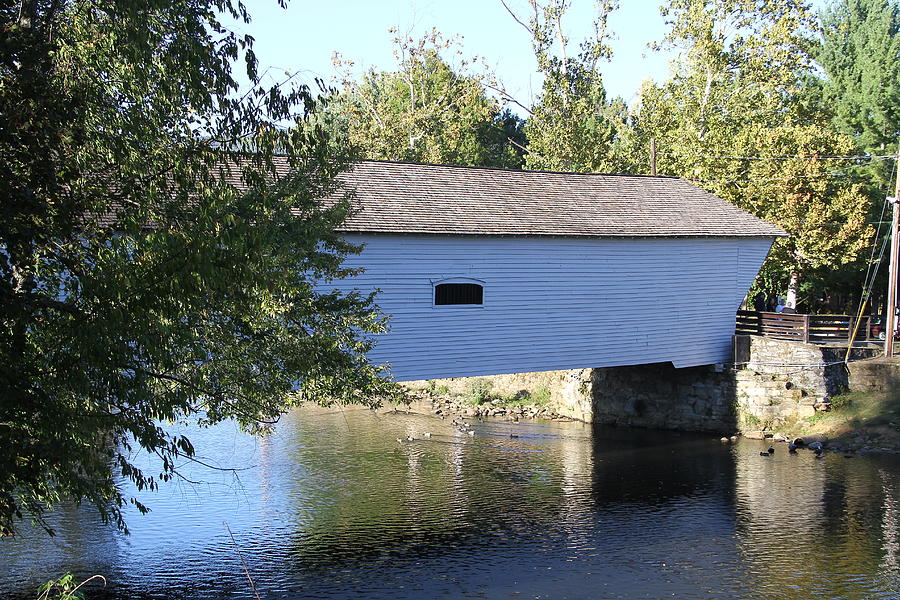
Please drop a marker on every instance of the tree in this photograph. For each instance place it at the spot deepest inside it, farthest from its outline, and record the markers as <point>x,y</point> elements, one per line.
<point>738,62</point>
<point>427,111</point>
<point>732,118</point>
<point>573,126</point>
<point>826,213</point>
<point>860,56</point>
<point>163,252</point>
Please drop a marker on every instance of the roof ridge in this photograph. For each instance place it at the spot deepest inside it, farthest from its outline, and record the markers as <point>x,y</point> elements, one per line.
<point>509,169</point>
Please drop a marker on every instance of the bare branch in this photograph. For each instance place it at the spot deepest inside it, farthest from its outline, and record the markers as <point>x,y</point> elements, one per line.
<point>516,18</point>
<point>506,96</point>
<point>518,145</point>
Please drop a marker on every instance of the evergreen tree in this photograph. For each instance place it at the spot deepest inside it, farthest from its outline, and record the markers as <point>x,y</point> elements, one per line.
<point>860,56</point>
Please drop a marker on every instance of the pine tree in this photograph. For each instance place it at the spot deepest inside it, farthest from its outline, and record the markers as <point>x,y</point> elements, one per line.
<point>860,56</point>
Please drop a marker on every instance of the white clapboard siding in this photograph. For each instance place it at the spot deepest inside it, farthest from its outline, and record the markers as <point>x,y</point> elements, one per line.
<point>555,303</point>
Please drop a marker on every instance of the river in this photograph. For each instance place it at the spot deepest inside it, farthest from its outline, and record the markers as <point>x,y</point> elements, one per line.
<point>332,505</point>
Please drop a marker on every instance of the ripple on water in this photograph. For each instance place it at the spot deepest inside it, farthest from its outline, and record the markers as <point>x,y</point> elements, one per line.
<point>333,506</point>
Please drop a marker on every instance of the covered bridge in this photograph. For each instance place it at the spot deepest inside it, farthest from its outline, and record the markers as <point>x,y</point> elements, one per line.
<point>487,271</point>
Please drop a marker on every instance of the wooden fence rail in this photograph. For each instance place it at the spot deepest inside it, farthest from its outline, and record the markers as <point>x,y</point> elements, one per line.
<point>816,329</point>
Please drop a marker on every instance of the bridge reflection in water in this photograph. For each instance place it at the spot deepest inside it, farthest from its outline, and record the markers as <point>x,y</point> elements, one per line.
<point>333,506</point>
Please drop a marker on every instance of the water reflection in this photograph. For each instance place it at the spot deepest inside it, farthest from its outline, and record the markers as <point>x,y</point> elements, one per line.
<point>819,528</point>
<point>333,506</point>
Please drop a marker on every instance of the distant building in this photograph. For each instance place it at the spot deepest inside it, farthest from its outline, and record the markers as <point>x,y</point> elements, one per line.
<point>487,271</point>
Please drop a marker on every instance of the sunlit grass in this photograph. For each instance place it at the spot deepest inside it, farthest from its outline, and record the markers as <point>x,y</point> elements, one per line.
<point>857,418</point>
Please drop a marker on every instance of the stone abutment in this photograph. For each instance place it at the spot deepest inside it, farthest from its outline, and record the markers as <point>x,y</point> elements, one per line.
<point>769,383</point>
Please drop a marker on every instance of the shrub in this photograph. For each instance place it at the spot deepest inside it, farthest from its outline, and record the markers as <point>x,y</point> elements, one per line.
<point>541,395</point>
<point>65,588</point>
<point>841,402</point>
<point>480,390</point>
<point>751,420</point>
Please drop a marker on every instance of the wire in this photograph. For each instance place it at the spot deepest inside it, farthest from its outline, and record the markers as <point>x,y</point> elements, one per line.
<point>833,174</point>
<point>869,279</point>
<point>782,156</point>
<point>869,282</point>
<point>799,367</point>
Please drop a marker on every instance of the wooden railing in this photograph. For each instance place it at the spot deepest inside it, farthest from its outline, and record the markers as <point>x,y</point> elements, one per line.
<point>816,329</point>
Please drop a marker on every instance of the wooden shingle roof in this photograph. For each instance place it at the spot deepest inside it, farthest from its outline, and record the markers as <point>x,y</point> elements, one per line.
<point>395,197</point>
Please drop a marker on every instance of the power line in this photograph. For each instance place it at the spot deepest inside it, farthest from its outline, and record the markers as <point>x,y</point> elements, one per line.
<point>872,273</point>
<point>833,174</point>
<point>781,156</point>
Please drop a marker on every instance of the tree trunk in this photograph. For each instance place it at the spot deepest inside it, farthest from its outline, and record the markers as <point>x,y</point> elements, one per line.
<point>791,301</point>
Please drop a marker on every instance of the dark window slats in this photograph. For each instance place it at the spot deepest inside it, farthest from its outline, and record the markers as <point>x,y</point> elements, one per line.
<point>458,293</point>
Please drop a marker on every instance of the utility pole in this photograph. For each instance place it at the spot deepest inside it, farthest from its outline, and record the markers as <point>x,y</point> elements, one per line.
<point>890,318</point>
<point>653,156</point>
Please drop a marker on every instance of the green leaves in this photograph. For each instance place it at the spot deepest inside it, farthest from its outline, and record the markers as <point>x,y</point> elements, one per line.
<point>66,588</point>
<point>161,249</point>
<point>861,88</point>
<point>429,110</point>
<point>572,126</point>
<point>736,118</point>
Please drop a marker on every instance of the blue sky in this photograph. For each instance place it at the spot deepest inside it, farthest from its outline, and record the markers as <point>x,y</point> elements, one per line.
<point>302,38</point>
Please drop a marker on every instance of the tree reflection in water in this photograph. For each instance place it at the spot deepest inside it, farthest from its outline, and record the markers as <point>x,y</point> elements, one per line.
<point>333,506</point>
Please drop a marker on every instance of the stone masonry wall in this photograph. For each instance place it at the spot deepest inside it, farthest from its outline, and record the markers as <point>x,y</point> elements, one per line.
<point>783,380</point>
<point>876,375</point>
<point>659,396</point>
<point>569,391</point>
<point>772,381</point>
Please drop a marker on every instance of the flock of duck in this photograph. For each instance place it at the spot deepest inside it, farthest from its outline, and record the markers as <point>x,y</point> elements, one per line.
<point>465,428</point>
<point>816,447</point>
<point>461,426</point>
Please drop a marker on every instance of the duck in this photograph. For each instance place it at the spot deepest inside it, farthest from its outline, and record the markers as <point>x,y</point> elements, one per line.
<point>771,449</point>
<point>817,448</point>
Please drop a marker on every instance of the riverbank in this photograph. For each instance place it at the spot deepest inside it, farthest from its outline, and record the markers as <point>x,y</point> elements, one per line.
<point>445,405</point>
<point>855,422</point>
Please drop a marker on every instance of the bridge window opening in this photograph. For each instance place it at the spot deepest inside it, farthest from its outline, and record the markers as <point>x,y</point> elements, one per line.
<point>458,294</point>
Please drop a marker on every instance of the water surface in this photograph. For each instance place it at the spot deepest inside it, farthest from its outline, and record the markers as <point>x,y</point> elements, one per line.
<point>333,506</point>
